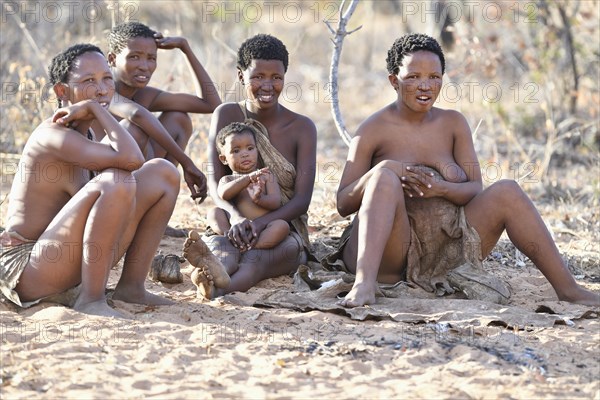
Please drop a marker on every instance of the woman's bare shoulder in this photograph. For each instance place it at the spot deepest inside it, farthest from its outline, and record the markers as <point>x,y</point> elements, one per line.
<point>449,115</point>
<point>377,121</point>
<point>227,108</point>
<point>297,118</point>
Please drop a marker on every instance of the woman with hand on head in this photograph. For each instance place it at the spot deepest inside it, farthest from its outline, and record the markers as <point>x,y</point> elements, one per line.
<point>133,57</point>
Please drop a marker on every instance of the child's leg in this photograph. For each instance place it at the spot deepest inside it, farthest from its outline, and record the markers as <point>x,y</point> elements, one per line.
<point>218,220</point>
<point>179,126</point>
<point>380,237</point>
<point>273,234</point>
<point>157,190</point>
<point>79,244</point>
<point>504,205</point>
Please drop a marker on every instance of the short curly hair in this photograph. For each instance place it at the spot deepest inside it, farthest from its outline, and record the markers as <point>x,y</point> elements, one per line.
<point>233,128</point>
<point>409,44</point>
<point>62,63</point>
<point>262,47</point>
<point>120,35</point>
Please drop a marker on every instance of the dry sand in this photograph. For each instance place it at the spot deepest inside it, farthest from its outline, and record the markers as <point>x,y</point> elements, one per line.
<point>228,348</point>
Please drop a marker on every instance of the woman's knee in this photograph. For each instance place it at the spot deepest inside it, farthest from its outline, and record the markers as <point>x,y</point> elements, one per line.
<point>281,226</point>
<point>291,250</point>
<point>507,191</point>
<point>163,171</point>
<point>218,241</point>
<point>386,180</point>
<point>117,183</point>
<point>384,185</point>
<point>177,122</point>
<point>140,137</point>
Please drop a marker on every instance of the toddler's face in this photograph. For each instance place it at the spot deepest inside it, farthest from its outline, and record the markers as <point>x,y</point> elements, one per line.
<point>240,152</point>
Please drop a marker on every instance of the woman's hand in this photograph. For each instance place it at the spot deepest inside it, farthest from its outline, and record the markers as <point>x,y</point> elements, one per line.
<point>420,182</point>
<point>196,181</point>
<point>244,234</point>
<point>71,115</point>
<point>168,43</point>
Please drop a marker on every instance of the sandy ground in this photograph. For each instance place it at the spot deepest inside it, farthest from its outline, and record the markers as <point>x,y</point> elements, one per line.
<point>229,348</point>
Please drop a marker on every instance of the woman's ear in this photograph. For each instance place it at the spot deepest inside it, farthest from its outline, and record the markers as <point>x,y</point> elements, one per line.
<point>62,91</point>
<point>240,75</point>
<point>394,81</point>
<point>111,57</point>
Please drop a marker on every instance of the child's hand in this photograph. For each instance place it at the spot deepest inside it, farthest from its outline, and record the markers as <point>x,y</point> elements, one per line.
<point>256,189</point>
<point>259,174</point>
<point>168,43</point>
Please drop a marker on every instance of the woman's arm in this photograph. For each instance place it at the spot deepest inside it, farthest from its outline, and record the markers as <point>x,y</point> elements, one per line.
<point>147,122</point>
<point>223,115</point>
<point>420,183</point>
<point>207,96</point>
<point>357,172</point>
<point>118,151</point>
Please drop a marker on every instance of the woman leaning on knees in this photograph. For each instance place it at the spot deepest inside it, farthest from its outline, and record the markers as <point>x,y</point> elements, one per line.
<point>105,204</point>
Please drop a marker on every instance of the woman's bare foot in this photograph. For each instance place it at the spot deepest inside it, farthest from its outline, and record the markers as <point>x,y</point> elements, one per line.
<point>204,284</point>
<point>99,307</point>
<point>582,296</point>
<point>360,295</point>
<point>140,297</point>
<point>199,255</point>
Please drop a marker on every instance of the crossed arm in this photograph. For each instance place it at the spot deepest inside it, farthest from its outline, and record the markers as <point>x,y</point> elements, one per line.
<point>124,108</point>
<point>119,150</point>
<point>416,182</point>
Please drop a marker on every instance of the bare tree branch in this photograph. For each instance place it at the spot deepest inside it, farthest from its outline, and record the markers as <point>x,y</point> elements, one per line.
<point>338,40</point>
<point>36,50</point>
<point>572,57</point>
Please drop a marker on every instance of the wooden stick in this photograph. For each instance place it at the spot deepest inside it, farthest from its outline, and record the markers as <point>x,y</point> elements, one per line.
<point>338,39</point>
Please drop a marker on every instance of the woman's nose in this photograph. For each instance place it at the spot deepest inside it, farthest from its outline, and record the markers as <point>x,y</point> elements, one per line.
<point>424,84</point>
<point>102,88</point>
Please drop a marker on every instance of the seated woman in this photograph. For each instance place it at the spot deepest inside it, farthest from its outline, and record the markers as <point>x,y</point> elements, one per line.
<point>287,146</point>
<point>133,57</point>
<point>410,160</point>
<point>101,202</point>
